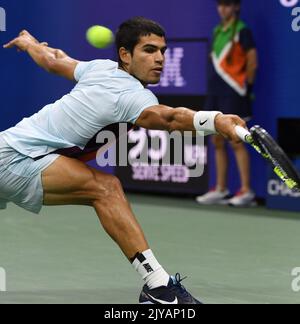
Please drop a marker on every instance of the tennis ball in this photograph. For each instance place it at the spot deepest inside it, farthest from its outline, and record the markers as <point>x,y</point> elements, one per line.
<point>99,36</point>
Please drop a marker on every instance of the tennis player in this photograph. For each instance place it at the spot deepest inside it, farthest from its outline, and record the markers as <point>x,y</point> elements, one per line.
<point>40,158</point>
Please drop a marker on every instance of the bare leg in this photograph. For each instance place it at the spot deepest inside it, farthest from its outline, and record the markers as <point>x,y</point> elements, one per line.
<point>221,162</point>
<point>71,182</point>
<point>243,161</point>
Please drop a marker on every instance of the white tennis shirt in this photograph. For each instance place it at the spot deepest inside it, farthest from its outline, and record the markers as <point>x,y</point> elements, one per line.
<point>104,95</point>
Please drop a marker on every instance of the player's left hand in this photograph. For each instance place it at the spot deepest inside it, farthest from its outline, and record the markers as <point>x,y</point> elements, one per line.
<point>225,126</point>
<point>23,41</point>
<point>26,33</point>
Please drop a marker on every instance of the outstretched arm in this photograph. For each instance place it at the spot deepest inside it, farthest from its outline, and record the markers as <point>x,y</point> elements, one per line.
<point>182,119</point>
<point>50,59</point>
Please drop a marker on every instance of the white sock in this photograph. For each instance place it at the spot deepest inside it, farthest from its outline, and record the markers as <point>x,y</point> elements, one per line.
<point>150,270</point>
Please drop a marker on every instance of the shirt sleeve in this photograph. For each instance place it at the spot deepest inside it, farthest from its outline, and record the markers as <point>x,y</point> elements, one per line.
<point>247,40</point>
<point>83,67</point>
<point>80,70</point>
<point>131,104</point>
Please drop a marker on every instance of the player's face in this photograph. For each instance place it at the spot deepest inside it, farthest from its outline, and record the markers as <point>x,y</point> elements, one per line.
<point>148,59</point>
<point>227,12</point>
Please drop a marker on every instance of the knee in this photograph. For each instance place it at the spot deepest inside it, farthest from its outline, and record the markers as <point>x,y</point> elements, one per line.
<point>107,187</point>
<point>218,142</point>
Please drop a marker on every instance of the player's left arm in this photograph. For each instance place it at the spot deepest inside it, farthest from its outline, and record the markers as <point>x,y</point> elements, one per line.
<point>52,60</point>
<point>162,117</point>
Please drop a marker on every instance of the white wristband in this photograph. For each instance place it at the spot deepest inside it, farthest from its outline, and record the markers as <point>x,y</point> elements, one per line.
<point>204,121</point>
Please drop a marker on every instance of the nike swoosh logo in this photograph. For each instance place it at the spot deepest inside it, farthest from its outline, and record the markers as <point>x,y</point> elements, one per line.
<point>203,123</point>
<point>163,301</point>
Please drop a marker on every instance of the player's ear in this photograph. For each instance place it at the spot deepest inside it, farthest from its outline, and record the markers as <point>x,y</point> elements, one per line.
<point>125,55</point>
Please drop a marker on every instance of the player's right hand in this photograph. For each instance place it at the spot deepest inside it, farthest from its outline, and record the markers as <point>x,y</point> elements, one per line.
<point>226,126</point>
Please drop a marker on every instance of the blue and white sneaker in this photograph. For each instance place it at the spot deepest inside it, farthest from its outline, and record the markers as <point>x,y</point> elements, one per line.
<point>174,293</point>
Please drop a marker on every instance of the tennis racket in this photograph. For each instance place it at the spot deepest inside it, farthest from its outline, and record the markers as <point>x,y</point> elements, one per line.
<point>265,145</point>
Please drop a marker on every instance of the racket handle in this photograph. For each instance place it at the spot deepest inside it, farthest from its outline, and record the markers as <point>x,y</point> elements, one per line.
<point>243,134</point>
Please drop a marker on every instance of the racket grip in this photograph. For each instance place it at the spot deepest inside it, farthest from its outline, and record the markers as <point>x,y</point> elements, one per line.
<point>243,133</point>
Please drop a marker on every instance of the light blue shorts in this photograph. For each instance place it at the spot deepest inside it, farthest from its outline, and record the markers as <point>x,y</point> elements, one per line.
<point>21,178</point>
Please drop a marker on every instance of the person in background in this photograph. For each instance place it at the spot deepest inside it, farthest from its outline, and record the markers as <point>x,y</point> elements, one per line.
<point>232,71</point>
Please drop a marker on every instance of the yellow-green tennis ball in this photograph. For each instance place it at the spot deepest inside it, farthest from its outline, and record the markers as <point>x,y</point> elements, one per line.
<point>100,36</point>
